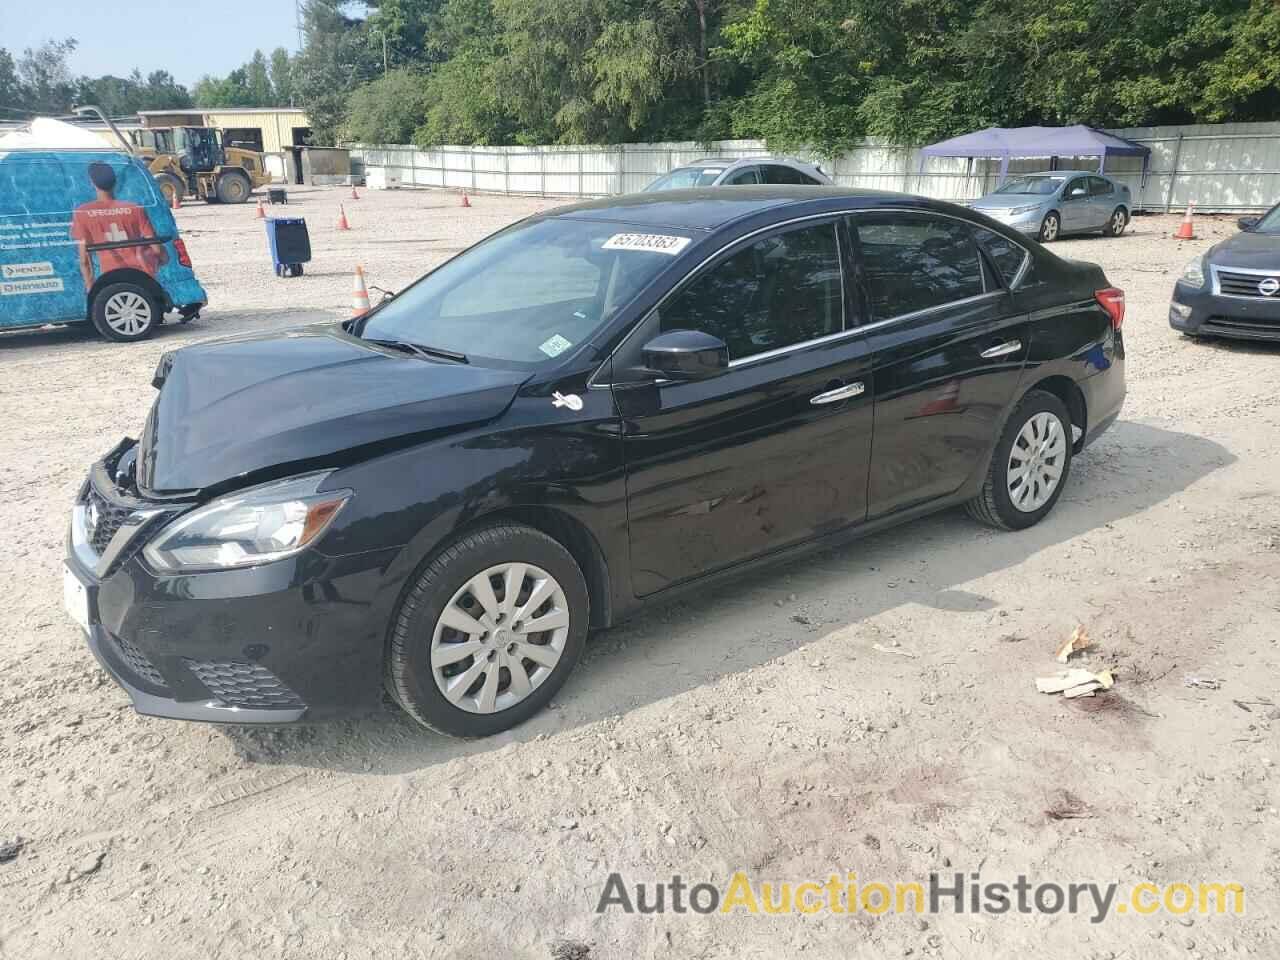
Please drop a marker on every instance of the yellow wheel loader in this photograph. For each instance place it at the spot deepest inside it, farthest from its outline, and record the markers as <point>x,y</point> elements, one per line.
<point>191,161</point>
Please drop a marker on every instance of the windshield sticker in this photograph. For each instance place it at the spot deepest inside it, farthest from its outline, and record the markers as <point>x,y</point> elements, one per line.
<point>652,242</point>
<point>555,346</point>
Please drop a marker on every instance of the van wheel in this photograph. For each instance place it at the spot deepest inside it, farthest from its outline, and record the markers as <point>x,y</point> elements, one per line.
<point>1029,467</point>
<point>488,631</point>
<point>125,312</point>
<point>234,188</point>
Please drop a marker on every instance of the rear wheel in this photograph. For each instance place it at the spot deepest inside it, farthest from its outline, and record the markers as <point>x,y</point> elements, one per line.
<point>125,312</point>
<point>1050,227</point>
<point>1116,223</point>
<point>233,187</point>
<point>488,632</point>
<point>1029,467</point>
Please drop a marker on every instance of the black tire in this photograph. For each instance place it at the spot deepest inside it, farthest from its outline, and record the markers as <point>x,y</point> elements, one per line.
<point>233,187</point>
<point>409,676</point>
<point>125,312</point>
<point>994,506</point>
<point>1049,233</point>
<point>171,186</point>
<point>1116,223</point>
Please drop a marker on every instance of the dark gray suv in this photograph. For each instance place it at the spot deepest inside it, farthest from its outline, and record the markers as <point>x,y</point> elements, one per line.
<point>728,172</point>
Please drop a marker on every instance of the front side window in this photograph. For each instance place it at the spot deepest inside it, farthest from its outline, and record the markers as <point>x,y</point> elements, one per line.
<point>1076,189</point>
<point>776,292</point>
<point>528,294</point>
<point>915,261</point>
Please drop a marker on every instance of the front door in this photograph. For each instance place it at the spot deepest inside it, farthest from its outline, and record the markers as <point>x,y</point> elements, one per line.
<point>1077,211</point>
<point>949,349</point>
<point>773,451</point>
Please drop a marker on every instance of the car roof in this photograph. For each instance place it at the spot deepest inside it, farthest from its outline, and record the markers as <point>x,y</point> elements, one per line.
<point>708,208</point>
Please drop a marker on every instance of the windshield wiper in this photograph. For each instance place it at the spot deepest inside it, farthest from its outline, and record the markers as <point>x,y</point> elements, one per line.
<point>421,350</point>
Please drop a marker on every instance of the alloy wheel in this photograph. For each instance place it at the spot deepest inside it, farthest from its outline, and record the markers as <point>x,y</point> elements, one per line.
<point>499,637</point>
<point>1036,461</point>
<point>127,313</point>
<point>1050,228</point>
<point>1118,222</point>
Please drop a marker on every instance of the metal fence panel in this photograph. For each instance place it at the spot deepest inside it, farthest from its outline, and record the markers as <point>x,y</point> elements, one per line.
<point>1220,167</point>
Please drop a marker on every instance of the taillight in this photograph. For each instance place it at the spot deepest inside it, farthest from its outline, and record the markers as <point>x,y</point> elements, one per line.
<point>1112,301</point>
<point>185,259</point>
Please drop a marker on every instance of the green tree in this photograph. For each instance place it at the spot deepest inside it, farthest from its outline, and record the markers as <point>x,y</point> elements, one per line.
<point>47,84</point>
<point>282,77</point>
<point>258,80</point>
<point>336,58</point>
<point>386,110</point>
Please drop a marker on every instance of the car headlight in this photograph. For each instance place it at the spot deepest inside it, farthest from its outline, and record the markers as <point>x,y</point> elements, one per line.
<point>1027,208</point>
<point>248,527</point>
<point>1193,272</point>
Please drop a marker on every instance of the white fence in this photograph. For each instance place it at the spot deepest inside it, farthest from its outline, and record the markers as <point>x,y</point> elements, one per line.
<point>1222,167</point>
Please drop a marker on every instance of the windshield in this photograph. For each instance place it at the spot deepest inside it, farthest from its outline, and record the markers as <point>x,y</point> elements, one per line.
<point>684,177</point>
<point>528,294</point>
<point>1269,222</point>
<point>1040,186</point>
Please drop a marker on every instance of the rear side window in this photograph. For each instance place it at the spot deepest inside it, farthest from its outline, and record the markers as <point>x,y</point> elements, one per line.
<point>1004,253</point>
<point>1099,187</point>
<point>779,291</point>
<point>915,261</point>
<point>776,173</point>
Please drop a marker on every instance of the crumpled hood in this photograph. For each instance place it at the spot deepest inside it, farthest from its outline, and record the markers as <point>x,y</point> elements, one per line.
<point>235,407</point>
<point>1258,251</point>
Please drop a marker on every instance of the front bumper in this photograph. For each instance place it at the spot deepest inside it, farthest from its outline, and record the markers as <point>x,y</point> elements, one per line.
<point>297,638</point>
<point>1198,311</point>
<point>1028,223</point>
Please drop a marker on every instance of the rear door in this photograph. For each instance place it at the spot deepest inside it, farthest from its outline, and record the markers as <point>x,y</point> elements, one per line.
<point>1102,200</point>
<point>949,350</point>
<point>775,450</point>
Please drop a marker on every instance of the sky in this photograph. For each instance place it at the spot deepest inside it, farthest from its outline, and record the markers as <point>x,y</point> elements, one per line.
<point>189,38</point>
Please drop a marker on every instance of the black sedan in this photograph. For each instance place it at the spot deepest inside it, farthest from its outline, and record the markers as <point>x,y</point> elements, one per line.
<point>588,411</point>
<point>1233,290</point>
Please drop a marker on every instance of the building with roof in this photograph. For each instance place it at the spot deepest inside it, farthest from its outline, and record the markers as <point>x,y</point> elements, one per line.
<point>265,129</point>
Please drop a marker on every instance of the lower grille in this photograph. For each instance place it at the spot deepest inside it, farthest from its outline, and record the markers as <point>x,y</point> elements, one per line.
<point>240,684</point>
<point>136,661</point>
<point>1253,327</point>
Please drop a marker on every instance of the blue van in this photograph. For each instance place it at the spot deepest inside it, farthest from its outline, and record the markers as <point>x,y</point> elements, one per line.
<point>85,235</point>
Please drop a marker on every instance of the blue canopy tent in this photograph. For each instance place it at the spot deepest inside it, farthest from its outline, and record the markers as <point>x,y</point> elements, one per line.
<point>1007,142</point>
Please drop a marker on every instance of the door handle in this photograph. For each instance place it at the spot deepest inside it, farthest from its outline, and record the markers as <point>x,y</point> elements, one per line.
<point>1003,349</point>
<point>846,392</point>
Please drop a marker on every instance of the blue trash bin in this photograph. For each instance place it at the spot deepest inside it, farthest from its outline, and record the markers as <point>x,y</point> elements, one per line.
<point>290,245</point>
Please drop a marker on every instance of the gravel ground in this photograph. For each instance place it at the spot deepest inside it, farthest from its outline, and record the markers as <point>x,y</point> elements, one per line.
<point>871,710</point>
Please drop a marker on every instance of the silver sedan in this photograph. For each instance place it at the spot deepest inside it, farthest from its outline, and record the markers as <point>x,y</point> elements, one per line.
<point>1050,205</point>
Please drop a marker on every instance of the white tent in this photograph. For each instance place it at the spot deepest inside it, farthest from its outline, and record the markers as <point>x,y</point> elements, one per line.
<point>45,133</point>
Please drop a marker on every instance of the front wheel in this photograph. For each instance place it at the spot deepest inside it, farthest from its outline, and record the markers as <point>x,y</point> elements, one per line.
<point>1116,223</point>
<point>488,632</point>
<point>1029,467</point>
<point>125,312</point>
<point>1050,227</point>
<point>233,188</point>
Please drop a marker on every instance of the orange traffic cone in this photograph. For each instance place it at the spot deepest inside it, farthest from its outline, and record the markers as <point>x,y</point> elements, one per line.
<point>354,195</point>
<point>261,214</point>
<point>359,294</point>
<point>177,201</point>
<point>465,201</point>
<point>1185,229</point>
<point>342,218</point>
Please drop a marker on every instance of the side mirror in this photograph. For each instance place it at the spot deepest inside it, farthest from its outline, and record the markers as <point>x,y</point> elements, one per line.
<point>1247,223</point>
<point>686,355</point>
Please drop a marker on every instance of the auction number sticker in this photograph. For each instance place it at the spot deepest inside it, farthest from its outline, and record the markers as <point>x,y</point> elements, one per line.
<point>555,346</point>
<point>652,242</point>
